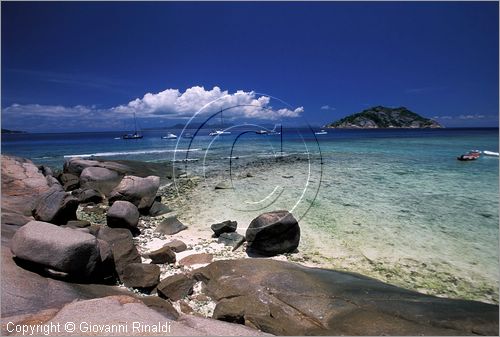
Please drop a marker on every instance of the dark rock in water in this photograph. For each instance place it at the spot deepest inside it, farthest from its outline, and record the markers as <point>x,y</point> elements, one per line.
<point>122,245</point>
<point>122,214</point>
<point>142,276</point>
<point>163,255</point>
<point>99,179</point>
<point>159,209</point>
<point>273,233</point>
<point>175,287</point>
<point>87,196</point>
<point>176,246</point>
<point>78,223</point>
<point>161,305</point>
<point>170,225</point>
<point>69,181</point>
<point>56,206</point>
<point>224,227</point>
<point>139,191</point>
<point>200,258</point>
<point>224,185</point>
<point>288,299</point>
<point>61,249</point>
<point>233,239</point>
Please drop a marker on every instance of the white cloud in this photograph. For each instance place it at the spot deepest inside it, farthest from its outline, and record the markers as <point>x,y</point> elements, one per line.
<point>442,117</point>
<point>475,116</point>
<point>168,104</point>
<point>327,107</point>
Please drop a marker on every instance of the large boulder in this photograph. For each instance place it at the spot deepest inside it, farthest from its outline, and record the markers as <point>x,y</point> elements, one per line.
<point>284,298</point>
<point>122,214</point>
<point>170,226</point>
<point>175,287</point>
<point>99,179</point>
<point>273,233</point>
<point>139,191</point>
<point>122,245</point>
<point>227,226</point>
<point>56,206</point>
<point>142,276</point>
<point>61,249</point>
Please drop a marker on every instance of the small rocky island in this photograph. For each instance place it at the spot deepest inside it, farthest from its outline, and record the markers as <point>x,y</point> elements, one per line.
<point>384,117</point>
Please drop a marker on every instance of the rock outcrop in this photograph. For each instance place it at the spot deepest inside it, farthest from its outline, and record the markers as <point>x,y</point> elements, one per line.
<point>288,299</point>
<point>273,233</point>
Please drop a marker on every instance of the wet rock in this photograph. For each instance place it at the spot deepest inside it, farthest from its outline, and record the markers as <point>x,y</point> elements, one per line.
<point>159,209</point>
<point>176,245</point>
<point>175,287</point>
<point>170,226</point>
<point>62,249</point>
<point>193,259</point>
<point>162,255</point>
<point>224,227</point>
<point>139,191</point>
<point>288,299</point>
<point>122,214</point>
<point>233,239</point>
<point>56,206</point>
<point>122,245</point>
<point>69,181</point>
<point>99,179</point>
<point>273,233</point>
<point>141,275</point>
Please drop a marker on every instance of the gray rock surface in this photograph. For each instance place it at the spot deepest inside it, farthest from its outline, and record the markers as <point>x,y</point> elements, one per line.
<point>273,233</point>
<point>62,249</point>
<point>122,214</point>
<point>139,191</point>
<point>288,299</point>
<point>233,239</point>
<point>170,226</point>
<point>56,206</point>
<point>100,179</point>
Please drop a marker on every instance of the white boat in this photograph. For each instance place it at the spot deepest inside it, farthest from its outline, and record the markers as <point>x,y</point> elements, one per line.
<point>135,135</point>
<point>490,153</point>
<point>169,136</point>
<point>219,133</point>
<point>262,132</point>
<point>322,132</point>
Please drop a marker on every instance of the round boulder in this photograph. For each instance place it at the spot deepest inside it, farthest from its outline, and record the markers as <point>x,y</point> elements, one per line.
<point>139,191</point>
<point>273,233</point>
<point>100,179</point>
<point>122,214</point>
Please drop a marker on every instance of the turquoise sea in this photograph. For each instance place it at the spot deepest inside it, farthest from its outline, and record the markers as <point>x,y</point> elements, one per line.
<point>394,204</point>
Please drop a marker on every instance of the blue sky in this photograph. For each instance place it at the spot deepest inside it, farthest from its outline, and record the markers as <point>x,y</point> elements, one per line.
<point>86,66</point>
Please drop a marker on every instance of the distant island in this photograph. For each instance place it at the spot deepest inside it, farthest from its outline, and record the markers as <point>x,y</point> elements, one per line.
<point>384,117</point>
<point>12,131</point>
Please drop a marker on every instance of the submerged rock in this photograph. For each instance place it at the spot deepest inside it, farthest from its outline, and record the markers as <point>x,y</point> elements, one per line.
<point>283,298</point>
<point>273,233</point>
<point>170,226</point>
<point>224,227</point>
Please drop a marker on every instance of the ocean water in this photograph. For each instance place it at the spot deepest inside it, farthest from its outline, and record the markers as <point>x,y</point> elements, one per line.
<point>393,204</point>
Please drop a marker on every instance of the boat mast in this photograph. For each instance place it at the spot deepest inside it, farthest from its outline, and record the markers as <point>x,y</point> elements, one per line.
<point>135,124</point>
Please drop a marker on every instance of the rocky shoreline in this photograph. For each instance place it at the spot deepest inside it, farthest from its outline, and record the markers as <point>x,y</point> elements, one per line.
<point>113,220</point>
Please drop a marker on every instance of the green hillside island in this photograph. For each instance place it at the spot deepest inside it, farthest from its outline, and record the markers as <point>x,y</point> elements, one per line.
<point>383,117</point>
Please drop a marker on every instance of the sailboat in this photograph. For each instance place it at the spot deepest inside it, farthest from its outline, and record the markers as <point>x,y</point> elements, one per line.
<point>135,135</point>
<point>220,132</point>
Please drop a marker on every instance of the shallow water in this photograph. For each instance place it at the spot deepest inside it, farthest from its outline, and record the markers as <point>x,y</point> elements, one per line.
<point>394,204</point>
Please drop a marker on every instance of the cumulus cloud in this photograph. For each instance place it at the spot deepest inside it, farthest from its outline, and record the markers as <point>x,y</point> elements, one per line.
<point>327,107</point>
<point>167,104</point>
<point>475,116</point>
